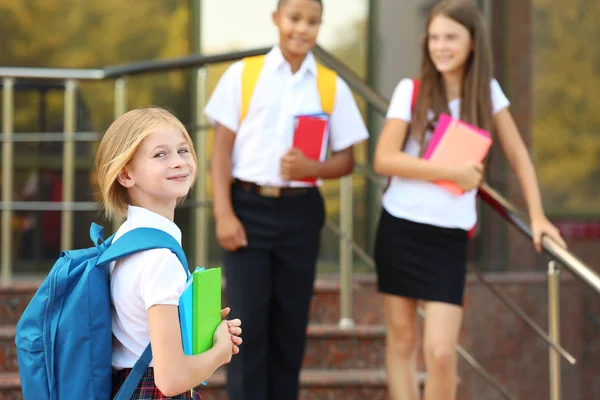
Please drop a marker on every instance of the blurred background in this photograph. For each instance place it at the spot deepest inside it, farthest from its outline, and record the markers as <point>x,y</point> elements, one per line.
<point>546,61</point>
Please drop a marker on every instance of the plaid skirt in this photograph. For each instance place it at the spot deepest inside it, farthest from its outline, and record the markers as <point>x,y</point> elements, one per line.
<point>146,389</point>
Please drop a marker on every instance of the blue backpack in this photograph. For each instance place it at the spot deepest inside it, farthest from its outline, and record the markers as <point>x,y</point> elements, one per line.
<point>64,337</point>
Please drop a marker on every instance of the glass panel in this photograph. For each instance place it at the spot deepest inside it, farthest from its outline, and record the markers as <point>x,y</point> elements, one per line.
<point>75,34</point>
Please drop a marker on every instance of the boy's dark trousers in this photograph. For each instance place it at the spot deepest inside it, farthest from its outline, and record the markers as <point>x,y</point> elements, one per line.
<point>269,287</point>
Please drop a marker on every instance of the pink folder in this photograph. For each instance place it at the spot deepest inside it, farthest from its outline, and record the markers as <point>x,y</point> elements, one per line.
<point>454,143</point>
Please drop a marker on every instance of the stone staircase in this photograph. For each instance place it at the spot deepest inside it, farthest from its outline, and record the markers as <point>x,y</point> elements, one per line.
<point>339,364</point>
<point>349,364</point>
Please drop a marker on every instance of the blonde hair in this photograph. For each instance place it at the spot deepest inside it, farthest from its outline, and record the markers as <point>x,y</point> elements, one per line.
<point>118,146</point>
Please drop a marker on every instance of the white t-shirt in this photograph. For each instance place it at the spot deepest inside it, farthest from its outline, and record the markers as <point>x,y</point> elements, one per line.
<point>423,201</point>
<point>266,133</point>
<point>137,283</point>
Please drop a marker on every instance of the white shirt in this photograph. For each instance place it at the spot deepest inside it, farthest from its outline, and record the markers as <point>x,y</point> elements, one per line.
<point>266,133</point>
<point>423,201</point>
<point>137,283</point>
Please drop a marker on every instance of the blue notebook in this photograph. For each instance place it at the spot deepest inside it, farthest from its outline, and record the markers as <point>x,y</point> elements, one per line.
<point>185,317</point>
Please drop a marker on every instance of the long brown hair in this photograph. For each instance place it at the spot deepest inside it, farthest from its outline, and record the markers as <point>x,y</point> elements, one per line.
<point>476,101</point>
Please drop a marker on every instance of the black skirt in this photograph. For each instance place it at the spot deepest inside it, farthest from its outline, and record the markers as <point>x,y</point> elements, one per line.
<point>420,261</point>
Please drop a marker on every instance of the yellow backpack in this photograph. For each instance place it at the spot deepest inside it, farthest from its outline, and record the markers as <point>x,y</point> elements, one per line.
<point>326,83</point>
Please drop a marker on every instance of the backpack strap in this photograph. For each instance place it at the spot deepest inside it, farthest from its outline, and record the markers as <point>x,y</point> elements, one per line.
<point>139,369</point>
<point>250,74</point>
<point>326,84</point>
<point>132,242</point>
<point>415,94</point>
<point>141,239</point>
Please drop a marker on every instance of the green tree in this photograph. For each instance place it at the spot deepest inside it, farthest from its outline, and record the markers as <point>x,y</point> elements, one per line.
<point>76,34</point>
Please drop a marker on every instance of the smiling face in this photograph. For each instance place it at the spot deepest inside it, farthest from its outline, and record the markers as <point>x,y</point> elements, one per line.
<point>450,45</point>
<point>161,171</point>
<point>298,22</point>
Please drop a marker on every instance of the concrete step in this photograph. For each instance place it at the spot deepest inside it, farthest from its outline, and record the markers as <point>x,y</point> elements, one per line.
<point>325,306</point>
<point>328,346</point>
<point>316,384</point>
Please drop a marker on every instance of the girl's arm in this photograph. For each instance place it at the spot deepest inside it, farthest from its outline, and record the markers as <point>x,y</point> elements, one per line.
<point>520,162</point>
<point>391,161</point>
<point>174,372</point>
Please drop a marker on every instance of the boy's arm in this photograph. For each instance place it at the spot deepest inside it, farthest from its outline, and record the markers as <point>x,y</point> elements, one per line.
<point>220,170</point>
<point>230,231</point>
<point>294,165</point>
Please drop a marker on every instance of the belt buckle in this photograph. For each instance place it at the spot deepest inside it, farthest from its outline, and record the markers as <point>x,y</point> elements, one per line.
<point>270,191</point>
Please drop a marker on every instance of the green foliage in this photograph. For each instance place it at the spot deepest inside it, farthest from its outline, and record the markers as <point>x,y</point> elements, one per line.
<point>93,34</point>
<point>567,104</point>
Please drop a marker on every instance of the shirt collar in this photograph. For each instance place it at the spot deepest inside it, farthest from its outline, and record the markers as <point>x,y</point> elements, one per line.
<point>139,217</point>
<point>275,60</point>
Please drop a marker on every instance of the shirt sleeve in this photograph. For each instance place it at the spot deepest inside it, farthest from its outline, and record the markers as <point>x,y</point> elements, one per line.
<point>499,99</point>
<point>163,278</point>
<point>347,125</point>
<point>224,105</point>
<point>400,105</point>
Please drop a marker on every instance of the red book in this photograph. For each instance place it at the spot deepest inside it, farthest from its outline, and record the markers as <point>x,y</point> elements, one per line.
<point>311,136</point>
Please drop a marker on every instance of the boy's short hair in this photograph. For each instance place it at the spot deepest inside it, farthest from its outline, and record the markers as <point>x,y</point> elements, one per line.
<point>281,3</point>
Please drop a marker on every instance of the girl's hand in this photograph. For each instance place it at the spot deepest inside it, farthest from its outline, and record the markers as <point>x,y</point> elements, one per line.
<point>469,176</point>
<point>235,329</point>
<point>540,226</point>
<point>222,342</point>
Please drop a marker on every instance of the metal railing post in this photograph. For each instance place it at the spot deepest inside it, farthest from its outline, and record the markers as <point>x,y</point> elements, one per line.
<point>120,109</point>
<point>7,176</point>
<point>346,254</point>
<point>554,329</point>
<point>201,216</point>
<point>68,177</point>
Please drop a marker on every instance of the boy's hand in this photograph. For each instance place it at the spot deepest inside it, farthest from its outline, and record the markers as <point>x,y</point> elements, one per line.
<point>230,232</point>
<point>295,165</point>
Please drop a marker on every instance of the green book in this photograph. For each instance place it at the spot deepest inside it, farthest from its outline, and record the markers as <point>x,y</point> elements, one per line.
<point>206,309</point>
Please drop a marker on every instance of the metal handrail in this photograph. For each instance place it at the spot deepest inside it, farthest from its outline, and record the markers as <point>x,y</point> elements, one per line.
<point>136,68</point>
<point>190,61</point>
<point>577,267</point>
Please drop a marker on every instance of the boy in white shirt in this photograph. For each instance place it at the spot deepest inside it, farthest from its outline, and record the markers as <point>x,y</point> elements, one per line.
<point>269,220</point>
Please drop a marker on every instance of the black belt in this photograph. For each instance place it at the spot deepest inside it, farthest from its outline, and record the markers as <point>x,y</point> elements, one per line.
<point>271,191</point>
